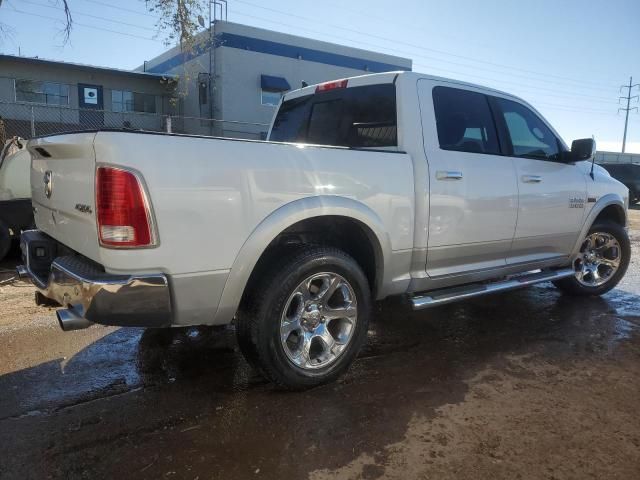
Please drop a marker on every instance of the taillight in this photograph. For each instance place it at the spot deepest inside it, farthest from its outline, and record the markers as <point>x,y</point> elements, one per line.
<point>323,87</point>
<point>122,209</point>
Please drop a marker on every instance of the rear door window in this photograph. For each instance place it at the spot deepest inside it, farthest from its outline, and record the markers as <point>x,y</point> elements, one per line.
<point>464,121</point>
<point>356,117</point>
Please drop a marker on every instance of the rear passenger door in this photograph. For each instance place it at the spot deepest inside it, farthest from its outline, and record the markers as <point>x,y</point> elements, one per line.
<point>552,193</point>
<point>473,198</point>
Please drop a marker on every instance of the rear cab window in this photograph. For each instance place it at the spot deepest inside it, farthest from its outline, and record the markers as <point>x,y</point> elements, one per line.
<point>354,117</point>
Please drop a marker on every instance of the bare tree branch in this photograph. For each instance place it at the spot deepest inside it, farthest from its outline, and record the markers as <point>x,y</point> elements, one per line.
<point>68,21</point>
<point>179,20</point>
<point>5,30</point>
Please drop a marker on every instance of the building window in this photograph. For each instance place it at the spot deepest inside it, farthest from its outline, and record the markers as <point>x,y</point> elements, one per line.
<point>272,89</point>
<point>125,101</point>
<point>47,93</point>
<point>271,98</point>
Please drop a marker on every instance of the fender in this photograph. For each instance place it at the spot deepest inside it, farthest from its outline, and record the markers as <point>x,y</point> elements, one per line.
<point>280,220</point>
<point>601,204</point>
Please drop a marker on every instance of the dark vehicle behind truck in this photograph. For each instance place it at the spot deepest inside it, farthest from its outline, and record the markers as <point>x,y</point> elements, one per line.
<point>624,167</point>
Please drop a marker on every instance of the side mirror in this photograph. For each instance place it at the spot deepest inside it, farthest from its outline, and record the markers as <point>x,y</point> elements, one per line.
<point>583,149</point>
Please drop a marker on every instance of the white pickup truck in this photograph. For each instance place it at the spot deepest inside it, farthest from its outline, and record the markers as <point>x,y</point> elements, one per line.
<point>379,185</point>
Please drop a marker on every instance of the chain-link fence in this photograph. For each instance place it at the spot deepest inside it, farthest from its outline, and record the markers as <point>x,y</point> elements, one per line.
<point>31,120</point>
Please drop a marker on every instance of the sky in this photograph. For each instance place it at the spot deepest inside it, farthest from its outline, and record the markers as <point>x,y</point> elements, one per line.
<point>568,58</point>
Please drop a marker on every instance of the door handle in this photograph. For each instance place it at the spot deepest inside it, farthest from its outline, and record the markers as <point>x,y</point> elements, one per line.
<point>448,175</point>
<point>531,178</point>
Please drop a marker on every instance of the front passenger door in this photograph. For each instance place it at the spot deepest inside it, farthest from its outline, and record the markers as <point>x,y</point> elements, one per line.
<point>552,194</point>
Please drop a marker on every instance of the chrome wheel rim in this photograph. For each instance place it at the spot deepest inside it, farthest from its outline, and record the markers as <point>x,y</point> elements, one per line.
<point>318,321</point>
<point>598,260</point>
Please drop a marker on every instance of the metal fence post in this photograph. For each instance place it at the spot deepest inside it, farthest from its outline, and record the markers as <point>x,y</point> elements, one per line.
<point>168,123</point>
<point>33,123</point>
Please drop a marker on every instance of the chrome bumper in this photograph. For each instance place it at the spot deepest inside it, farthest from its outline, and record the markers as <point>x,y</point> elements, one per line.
<point>93,296</point>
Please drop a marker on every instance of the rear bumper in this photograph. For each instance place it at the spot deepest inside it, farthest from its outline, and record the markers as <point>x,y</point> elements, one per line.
<point>88,293</point>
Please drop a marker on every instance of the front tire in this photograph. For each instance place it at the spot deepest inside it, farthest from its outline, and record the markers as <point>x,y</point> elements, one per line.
<point>305,318</point>
<point>602,262</point>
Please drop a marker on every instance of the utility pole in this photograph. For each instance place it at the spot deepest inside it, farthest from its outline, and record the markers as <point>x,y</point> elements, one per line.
<point>628,98</point>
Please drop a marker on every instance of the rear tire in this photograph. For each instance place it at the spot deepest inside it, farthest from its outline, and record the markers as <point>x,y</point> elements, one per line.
<point>305,318</point>
<point>602,262</point>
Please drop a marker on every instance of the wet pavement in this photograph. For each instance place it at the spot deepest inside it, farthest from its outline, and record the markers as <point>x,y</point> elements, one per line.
<point>526,384</point>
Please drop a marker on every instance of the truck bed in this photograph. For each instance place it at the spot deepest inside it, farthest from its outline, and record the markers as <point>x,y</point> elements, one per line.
<point>202,188</point>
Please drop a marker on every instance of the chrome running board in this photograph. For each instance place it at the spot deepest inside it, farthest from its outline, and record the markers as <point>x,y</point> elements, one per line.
<point>454,294</point>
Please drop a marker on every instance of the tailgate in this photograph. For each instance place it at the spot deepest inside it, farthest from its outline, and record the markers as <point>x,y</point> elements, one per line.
<point>62,189</point>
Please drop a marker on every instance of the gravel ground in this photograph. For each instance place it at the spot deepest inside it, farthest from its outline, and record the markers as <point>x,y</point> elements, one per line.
<point>526,384</point>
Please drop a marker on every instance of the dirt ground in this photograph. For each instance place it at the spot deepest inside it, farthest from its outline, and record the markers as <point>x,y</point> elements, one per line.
<point>526,384</point>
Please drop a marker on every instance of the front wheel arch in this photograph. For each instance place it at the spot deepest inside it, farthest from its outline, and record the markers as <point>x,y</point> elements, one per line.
<point>610,207</point>
<point>572,285</point>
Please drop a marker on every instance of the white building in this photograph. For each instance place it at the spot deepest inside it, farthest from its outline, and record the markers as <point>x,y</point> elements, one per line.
<point>249,69</point>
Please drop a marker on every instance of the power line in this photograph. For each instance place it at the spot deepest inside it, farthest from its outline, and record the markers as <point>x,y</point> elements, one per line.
<point>422,47</point>
<point>525,86</point>
<point>124,9</point>
<point>628,98</point>
<point>535,88</point>
<point>91,16</point>
<point>570,108</point>
<point>93,27</point>
<point>465,76</point>
<point>421,28</point>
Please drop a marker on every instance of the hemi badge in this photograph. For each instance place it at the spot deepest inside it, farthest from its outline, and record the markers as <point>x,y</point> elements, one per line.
<point>592,199</point>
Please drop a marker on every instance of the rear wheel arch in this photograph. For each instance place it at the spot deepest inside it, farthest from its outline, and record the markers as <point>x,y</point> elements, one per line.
<point>289,219</point>
<point>344,233</point>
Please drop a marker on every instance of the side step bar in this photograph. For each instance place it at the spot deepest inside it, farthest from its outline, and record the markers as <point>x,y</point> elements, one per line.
<point>454,294</point>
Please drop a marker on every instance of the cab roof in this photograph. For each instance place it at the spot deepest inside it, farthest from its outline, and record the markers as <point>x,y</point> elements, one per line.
<point>391,77</point>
